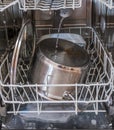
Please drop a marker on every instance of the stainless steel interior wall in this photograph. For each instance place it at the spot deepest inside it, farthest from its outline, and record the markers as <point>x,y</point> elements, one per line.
<point>10,23</point>
<point>11,16</point>
<point>99,10</point>
<point>80,17</point>
<point>103,23</point>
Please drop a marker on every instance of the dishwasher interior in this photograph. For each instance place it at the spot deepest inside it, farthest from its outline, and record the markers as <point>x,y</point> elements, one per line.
<point>53,102</point>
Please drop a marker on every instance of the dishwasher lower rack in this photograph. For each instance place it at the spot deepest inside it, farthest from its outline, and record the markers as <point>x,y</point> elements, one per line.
<point>97,89</point>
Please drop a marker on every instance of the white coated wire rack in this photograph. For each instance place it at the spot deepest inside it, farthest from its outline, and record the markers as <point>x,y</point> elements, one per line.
<point>49,4</point>
<point>4,4</point>
<point>108,3</point>
<point>88,97</point>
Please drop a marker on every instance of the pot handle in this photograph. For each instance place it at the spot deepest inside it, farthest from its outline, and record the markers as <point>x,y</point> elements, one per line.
<point>48,76</point>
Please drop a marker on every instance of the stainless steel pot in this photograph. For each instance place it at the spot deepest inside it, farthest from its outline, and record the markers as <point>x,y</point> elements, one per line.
<point>66,64</point>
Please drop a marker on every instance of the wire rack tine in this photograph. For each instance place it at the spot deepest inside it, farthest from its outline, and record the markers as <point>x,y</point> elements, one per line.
<point>6,4</point>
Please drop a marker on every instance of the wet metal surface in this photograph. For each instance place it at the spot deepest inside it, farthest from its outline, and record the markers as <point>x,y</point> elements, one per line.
<point>81,121</point>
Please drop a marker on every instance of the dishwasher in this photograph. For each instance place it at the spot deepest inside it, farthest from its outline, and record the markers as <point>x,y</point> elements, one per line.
<point>56,64</point>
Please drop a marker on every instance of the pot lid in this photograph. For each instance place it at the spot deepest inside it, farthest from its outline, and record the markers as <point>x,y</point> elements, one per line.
<point>67,53</point>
